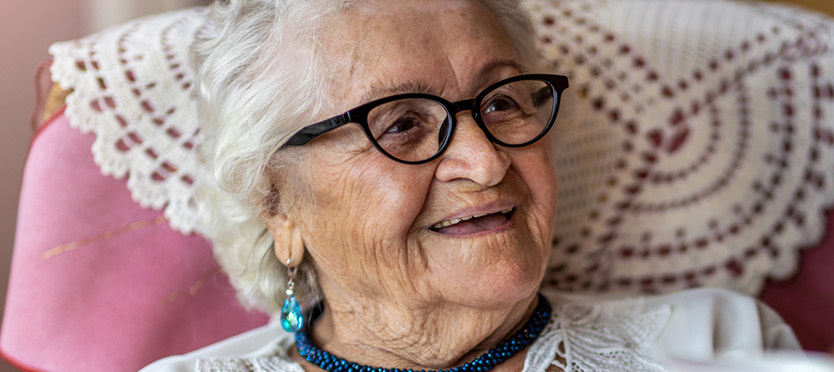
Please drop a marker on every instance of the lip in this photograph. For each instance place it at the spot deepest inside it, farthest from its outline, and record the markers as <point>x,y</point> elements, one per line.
<point>480,210</point>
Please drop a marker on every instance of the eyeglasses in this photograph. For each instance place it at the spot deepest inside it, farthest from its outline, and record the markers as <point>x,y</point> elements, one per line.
<point>416,128</point>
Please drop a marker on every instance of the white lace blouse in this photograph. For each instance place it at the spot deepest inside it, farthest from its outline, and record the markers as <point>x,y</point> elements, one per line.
<point>585,334</point>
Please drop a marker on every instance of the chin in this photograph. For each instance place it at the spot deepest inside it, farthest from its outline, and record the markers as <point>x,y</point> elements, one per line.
<point>500,285</point>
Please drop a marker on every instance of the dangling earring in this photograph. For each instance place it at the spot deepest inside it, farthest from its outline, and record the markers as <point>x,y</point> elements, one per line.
<point>291,318</point>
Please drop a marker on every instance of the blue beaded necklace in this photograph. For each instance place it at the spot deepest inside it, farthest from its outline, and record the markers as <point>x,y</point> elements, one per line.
<point>487,361</point>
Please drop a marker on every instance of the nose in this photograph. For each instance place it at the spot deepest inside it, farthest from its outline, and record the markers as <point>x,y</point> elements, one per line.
<point>472,156</point>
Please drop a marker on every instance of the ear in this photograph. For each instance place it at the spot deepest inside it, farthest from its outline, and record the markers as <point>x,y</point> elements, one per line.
<point>289,246</point>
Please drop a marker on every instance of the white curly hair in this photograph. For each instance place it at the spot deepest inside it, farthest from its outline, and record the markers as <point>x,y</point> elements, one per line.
<point>261,79</point>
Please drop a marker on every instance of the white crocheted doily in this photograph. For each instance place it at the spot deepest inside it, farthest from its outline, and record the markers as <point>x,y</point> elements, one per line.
<point>133,88</point>
<point>703,153</point>
<point>705,156</point>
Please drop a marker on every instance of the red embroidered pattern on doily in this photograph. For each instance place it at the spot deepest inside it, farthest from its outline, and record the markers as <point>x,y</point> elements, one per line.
<point>132,87</point>
<point>703,152</point>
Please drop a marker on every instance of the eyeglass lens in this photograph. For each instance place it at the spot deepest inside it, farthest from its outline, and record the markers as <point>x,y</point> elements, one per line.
<point>414,129</point>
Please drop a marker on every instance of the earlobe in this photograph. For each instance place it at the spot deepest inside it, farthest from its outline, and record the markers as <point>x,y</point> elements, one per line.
<point>289,244</point>
<point>297,247</point>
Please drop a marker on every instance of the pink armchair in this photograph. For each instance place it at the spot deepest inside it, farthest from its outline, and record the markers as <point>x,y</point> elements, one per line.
<point>99,283</point>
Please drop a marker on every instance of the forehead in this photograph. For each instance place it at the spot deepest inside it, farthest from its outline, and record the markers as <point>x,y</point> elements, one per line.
<point>440,46</point>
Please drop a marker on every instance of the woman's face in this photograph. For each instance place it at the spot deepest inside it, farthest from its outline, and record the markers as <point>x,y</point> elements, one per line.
<point>371,224</point>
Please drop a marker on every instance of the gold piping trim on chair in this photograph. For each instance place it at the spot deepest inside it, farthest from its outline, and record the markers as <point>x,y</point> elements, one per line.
<point>191,291</point>
<point>54,101</point>
<point>64,248</point>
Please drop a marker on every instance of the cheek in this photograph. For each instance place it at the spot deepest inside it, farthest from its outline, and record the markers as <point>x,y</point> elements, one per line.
<point>385,197</point>
<point>538,172</point>
<point>360,217</point>
<point>537,169</point>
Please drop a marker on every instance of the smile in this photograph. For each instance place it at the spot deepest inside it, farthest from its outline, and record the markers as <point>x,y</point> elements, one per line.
<point>474,223</point>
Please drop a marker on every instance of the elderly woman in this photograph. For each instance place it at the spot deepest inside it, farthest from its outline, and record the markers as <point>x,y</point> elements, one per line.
<point>388,187</point>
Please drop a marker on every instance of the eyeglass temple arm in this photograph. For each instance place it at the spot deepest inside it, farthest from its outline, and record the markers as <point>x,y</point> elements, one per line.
<point>310,132</point>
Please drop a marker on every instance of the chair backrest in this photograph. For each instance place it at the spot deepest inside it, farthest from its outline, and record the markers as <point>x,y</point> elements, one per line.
<point>99,283</point>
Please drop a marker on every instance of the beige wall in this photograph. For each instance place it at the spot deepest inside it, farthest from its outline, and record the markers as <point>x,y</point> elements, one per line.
<point>103,13</point>
<point>825,6</point>
<point>26,29</point>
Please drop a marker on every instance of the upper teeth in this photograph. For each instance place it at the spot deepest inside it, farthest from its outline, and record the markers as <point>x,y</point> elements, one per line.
<point>456,221</point>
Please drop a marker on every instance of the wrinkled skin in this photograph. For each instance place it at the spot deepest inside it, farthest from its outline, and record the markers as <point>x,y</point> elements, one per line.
<point>398,293</point>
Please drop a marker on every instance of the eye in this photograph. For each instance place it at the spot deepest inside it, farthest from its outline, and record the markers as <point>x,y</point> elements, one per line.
<point>402,124</point>
<point>542,96</point>
<point>499,104</point>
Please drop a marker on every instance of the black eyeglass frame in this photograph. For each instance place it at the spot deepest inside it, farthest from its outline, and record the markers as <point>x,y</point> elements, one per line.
<point>359,116</point>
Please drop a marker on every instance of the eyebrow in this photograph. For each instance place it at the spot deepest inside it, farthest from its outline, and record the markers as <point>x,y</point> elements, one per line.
<point>483,77</point>
<point>382,90</point>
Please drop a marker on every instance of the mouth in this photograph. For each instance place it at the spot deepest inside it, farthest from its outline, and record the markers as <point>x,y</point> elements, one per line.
<point>473,224</point>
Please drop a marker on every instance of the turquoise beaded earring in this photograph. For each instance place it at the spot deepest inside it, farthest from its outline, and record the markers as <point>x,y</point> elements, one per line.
<point>291,318</point>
